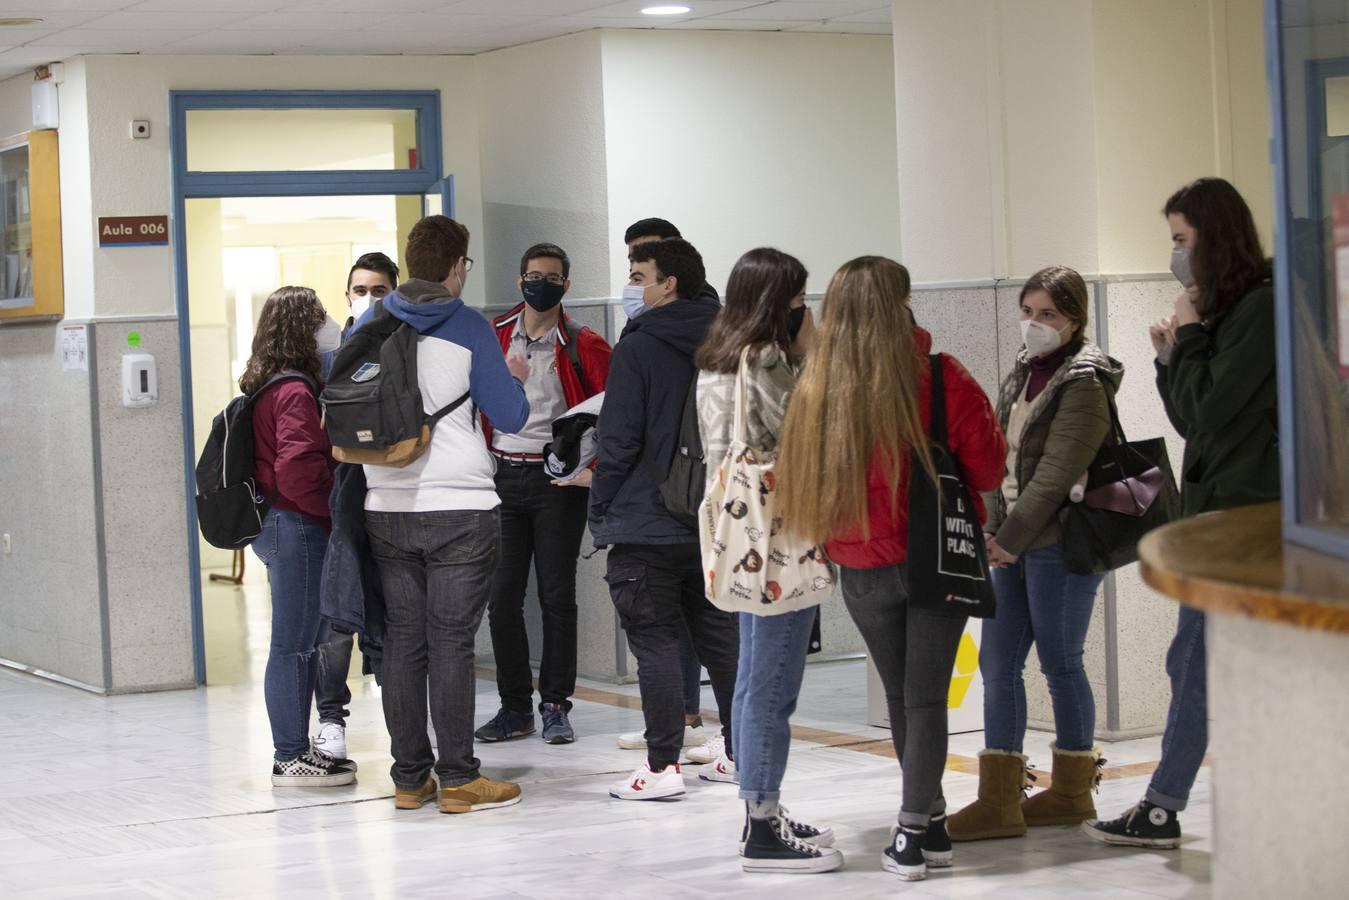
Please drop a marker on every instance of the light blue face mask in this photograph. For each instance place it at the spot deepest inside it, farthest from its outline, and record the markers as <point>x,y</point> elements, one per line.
<point>632,300</point>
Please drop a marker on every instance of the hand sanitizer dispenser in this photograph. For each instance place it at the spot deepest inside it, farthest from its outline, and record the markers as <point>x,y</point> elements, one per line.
<point>140,388</point>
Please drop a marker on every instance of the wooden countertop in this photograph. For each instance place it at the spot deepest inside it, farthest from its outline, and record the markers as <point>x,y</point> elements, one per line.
<point>1235,561</point>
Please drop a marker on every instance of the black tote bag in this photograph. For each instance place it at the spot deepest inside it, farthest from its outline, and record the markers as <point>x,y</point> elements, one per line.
<point>948,562</point>
<point>1130,491</point>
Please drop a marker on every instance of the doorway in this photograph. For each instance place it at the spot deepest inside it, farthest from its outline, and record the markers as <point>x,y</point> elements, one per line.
<point>347,174</point>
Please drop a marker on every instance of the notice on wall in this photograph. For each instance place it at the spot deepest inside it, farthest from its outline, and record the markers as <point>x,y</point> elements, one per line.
<point>75,348</point>
<point>1341,215</point>
<point>133,231</point>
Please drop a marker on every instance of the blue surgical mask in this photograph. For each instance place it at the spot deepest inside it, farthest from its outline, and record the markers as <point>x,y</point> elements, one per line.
<point>632,300</point>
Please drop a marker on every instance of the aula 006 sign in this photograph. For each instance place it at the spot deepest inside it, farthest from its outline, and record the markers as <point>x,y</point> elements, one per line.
<point>133,231</point>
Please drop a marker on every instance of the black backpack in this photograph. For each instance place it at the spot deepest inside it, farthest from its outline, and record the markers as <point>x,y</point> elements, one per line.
<point>229,509</point>
<point>682,490</point>
<point>372,405</point>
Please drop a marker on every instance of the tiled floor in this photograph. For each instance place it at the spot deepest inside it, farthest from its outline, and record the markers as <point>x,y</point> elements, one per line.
<point>167,795</point>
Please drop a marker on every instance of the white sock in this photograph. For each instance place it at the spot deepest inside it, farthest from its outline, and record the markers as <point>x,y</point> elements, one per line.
<point>761,809</point>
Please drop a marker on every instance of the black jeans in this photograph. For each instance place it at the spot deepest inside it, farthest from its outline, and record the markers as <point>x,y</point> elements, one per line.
<point>914,651</point>
<point>332,695</point>
<point>546,523</point>
<point>436,568</point>
<point>658,591</point>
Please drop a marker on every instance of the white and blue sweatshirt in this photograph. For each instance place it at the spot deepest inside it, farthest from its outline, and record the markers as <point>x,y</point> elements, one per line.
<point>457,351</point>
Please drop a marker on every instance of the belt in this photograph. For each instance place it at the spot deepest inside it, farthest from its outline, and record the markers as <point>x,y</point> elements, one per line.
<point>520,459</point>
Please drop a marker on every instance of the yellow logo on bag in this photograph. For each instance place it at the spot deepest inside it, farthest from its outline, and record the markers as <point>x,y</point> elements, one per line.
<point>967,664</point>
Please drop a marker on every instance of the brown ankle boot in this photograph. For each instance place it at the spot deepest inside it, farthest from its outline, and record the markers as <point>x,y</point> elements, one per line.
<point>997,812</point>
<point>1068,799</point>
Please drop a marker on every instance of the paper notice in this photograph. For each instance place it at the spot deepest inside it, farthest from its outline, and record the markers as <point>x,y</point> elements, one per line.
<point>75,348</point>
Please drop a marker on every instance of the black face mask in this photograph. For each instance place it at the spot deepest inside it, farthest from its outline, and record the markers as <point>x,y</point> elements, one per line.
<point>795,319</point>
<point>542,295</point>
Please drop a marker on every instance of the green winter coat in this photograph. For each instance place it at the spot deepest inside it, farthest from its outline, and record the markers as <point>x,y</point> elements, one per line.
<point>1221,393</point>
<point>1057,445</point>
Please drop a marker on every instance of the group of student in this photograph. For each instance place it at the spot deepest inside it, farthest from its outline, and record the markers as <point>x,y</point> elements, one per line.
<point>842,404</point>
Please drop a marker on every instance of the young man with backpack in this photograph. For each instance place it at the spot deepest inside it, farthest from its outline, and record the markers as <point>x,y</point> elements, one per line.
<point>655,567</point>
<point>433,522</point>
<point>540,519</point>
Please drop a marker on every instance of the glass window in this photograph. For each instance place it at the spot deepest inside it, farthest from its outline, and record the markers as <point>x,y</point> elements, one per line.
<point>16,220</point>
<point>1315,88</point>
<point>301,140</point>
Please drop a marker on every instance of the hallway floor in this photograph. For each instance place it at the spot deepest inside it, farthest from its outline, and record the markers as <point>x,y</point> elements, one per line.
<point>168,796</point>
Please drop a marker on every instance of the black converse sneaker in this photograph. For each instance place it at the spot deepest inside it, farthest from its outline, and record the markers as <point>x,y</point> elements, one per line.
<point>937,844</point>
<point>1145,825</point>
<point>820,837</point>
<point>770,846</point>
<point>310,769</point>
<point>904,856</point>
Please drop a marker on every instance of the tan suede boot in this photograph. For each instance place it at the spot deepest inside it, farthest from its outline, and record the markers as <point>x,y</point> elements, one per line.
<point>1068,799</point>
<point>997,812</point>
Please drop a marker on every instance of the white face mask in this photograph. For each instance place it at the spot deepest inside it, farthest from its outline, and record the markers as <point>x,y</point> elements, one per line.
<point>1039,338</point>
<point>360,303</point>
<point>329,335</point>
<point>634,300</point>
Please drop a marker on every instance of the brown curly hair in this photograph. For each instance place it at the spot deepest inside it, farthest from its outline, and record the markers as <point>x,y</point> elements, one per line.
<point>285,338</point>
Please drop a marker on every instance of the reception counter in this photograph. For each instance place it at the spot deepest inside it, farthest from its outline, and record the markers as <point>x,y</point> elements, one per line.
<point>1278,656</point>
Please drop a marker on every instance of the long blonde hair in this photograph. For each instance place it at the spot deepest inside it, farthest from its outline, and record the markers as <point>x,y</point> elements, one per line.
<point>858,396</point>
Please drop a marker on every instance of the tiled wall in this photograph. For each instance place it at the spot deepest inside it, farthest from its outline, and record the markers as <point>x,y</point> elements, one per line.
<point>50,616</point>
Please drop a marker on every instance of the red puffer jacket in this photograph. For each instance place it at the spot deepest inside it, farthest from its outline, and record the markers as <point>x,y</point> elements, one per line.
<point>291,453</point>
<point>976,441</point>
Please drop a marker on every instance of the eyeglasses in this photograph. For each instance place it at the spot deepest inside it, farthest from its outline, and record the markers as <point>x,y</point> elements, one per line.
<point>536,277</point>
<point>468,264</point>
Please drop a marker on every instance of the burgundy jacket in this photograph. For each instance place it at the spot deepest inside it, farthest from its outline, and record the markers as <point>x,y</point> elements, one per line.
<point>976,441</point>
<point>291,452</point>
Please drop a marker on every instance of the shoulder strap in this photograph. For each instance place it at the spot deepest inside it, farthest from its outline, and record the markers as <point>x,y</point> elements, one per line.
<point>937,413</point>
<point>1116,436</point>
<point>444,411</point>
<point>287,375</point>
<point>574,351</point>
<point>690,438</point>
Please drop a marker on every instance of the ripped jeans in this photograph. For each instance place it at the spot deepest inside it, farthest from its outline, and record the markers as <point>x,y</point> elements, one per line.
<point>292,546</point>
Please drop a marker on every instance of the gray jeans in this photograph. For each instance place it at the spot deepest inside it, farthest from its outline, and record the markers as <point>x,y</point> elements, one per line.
<point>914,651</point>
<point>436,568</point>
<point>332,694</point>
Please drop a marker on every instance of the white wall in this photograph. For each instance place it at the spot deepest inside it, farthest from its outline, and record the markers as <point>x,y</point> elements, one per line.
<point>747,139</point>
<point>541,124</point>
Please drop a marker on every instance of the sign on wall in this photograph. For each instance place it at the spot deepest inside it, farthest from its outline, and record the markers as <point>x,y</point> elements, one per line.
<point>133,231</point>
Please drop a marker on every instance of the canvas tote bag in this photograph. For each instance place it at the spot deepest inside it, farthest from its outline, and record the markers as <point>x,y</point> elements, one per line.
<point>748,564</point>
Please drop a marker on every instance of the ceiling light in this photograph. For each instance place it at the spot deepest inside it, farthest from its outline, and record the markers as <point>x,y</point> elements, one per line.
<point>6,23</point>
<point>665,10</point>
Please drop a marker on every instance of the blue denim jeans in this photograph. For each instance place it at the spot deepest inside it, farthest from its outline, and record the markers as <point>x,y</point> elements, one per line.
<point>768,682</point>
<point>1039,602</point>
<point>292,546</point>
<point>1186,735</point>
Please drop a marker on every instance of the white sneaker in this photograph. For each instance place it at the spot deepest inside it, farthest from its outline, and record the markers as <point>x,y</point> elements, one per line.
<point>332,740</point>
<point>694,736</point>
<point>644,784</point>
<point>710,751</point>
<point>723,770</point>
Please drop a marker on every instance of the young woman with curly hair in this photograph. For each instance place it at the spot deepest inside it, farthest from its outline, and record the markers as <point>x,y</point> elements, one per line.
<point>293,465</point>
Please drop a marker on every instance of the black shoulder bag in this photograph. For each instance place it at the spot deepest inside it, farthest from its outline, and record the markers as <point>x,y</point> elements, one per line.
<point>1130,490</point>
<point>948,562</point>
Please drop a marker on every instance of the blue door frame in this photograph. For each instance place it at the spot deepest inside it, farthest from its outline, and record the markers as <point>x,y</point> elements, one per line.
<point>427,178</point>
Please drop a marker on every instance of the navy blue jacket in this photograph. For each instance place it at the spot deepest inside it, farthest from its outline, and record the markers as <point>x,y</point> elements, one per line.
<point>351,597</point>
<point>649,378</point>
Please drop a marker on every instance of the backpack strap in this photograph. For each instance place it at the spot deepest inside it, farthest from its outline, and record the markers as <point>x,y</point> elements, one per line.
<point>574,352</point>
<point>444,411</point>
<point>283,376</point>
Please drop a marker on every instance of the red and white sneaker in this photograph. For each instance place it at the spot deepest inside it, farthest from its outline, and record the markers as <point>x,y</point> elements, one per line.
<point>644,784</point>
<point>722,770</point>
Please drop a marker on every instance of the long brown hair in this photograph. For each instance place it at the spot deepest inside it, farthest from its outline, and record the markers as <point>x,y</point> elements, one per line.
<point>285,338</point>
<point>758,300</point>
<point>1226,259</point>
<point>857,397</point>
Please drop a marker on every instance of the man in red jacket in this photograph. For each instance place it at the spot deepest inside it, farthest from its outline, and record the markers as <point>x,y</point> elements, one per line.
<point>568,364</point>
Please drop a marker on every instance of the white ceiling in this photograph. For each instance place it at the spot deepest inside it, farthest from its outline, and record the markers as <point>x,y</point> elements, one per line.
<point>357,27</point>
